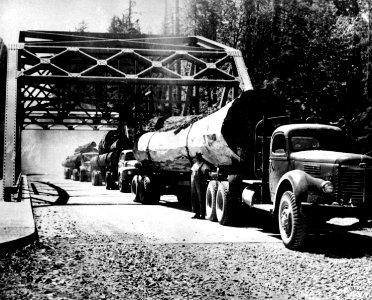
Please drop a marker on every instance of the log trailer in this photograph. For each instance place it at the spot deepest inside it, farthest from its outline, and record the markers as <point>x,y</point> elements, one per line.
<point>77,166</point>
<point>302,174</point>
<point>105,165</point>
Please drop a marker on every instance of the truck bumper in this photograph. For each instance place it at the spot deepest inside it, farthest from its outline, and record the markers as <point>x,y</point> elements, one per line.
<point>336,210</point>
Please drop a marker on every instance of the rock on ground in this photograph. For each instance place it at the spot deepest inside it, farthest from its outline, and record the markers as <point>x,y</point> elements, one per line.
<point>69,264</point>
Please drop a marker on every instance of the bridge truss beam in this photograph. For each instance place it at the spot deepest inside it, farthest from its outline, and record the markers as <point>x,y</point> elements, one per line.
<point>67,80</point>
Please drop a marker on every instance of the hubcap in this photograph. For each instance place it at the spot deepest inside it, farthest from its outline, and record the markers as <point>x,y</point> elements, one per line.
<point>286,220</point>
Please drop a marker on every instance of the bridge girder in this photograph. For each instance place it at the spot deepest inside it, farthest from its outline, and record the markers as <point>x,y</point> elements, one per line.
<point>70,80</point>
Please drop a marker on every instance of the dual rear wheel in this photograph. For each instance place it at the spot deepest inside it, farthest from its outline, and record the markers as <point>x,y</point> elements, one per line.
<point>145,190</point>
<point>219,206</point>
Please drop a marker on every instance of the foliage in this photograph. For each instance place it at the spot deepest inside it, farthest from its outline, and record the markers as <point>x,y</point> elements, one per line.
<point>82,26</point>
<point>312,53</point>
<point>125,23</point>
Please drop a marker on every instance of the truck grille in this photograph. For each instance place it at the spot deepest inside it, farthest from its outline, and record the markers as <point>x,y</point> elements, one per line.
<point>354,186</point>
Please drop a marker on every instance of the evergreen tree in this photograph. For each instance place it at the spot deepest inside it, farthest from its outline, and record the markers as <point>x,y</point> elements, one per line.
<point>125,23</point>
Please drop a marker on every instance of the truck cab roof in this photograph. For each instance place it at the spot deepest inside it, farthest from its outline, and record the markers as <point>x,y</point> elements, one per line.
<point>288,129</point>
<point>304,137</point>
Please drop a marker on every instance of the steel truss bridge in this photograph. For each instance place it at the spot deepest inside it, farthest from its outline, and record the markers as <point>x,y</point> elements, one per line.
<point>95,81</point>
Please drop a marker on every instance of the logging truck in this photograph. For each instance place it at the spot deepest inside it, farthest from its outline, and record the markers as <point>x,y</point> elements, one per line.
<point>77,166</point>
<point>108,166</point>
<point>302,174</point>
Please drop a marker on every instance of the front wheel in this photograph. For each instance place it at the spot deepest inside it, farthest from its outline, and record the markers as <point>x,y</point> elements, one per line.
<point>292,225</point>
<point>123,184</point>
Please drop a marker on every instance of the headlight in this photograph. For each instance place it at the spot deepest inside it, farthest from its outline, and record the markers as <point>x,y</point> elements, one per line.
<point>129,172</point>
<point>327,187</point>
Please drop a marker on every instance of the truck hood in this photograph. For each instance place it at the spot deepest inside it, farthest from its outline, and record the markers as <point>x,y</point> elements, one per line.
<point>332,157</point>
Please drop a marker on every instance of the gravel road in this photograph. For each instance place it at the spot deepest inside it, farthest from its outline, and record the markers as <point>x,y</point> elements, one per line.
<point>71,264</point>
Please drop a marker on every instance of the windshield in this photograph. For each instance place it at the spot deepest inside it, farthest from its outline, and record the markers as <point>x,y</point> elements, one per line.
<point>330,140</point>
<point>129,156</point>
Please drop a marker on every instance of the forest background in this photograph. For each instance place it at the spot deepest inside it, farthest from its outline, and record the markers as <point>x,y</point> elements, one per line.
<point>314,54</point>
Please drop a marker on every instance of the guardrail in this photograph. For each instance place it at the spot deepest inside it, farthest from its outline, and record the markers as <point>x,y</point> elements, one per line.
<point>14,193</point>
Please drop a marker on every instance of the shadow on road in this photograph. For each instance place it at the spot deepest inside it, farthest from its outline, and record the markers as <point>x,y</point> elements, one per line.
<point>61,195</point>
<point>331,241</point>
<point>340,244</point>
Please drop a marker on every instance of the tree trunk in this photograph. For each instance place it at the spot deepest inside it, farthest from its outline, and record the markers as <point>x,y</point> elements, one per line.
<point>224,138</point>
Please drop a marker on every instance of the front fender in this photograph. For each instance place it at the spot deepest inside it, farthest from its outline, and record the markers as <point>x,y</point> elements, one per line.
<point>300,183</point>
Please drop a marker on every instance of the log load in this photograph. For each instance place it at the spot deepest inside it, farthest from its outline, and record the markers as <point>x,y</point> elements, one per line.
<point>90,147</point>
<point>224,138</point>
<point>72,161</point>
<point>113,141</point>
<point>106,160</point>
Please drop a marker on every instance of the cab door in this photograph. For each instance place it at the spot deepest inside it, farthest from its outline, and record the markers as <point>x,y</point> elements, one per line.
<point>279,161</point>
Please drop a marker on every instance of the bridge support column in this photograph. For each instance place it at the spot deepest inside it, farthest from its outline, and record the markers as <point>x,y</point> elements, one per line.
<point>10,126</point>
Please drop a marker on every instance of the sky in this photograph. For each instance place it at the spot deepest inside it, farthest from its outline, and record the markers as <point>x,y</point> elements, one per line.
<point>43,151</point>
<point>65,15</point>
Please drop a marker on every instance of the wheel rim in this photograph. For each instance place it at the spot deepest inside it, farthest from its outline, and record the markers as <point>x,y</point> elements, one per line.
<point>286,219</point>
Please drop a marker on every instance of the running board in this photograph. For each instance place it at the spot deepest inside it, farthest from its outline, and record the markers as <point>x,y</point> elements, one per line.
<point>265,207</point>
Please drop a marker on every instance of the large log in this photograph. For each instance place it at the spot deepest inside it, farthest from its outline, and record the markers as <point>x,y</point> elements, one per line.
<point>224,138</point>
<point>113,141</point>
<point>106,160</point>
<point>75,161</point>
<point>72,161</point>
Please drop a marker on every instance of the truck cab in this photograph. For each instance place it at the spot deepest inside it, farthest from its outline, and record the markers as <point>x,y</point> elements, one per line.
<point>314,176</point>
<point>127,168</point>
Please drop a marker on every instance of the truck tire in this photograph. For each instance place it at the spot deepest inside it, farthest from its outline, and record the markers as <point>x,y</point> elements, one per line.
<point>96,178</point>
<point>134,187</point>
<point>75,175</point>
<point>147,192</point>
<point>110,184</point>
<point>292,224</point>
<point>99,179</point>
<point>124,185</point>
<point>93,178</point>
<point>210,201</point>
<point>67,174</point>
<point>225,207</point>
